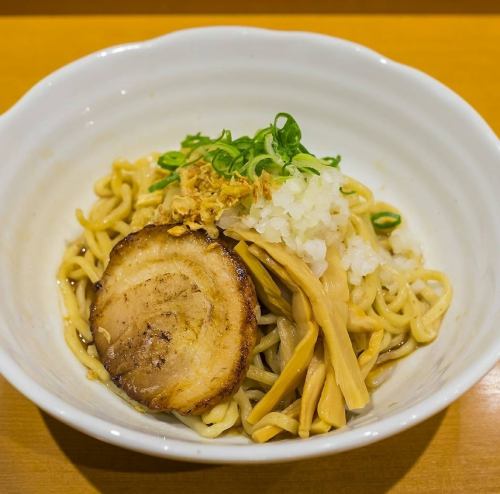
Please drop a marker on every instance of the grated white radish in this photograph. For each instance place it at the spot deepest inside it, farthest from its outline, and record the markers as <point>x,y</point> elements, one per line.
<point>402,242</point>
<point>309,213</point>
<point>359,259</point>
<point>306,213</point>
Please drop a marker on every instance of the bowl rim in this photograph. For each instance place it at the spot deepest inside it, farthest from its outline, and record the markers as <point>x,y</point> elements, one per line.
<point>216,452</point>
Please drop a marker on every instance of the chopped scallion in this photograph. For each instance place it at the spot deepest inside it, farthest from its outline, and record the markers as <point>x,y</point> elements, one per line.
<point>385,220</point>
<point>346,192</point>
<point>277,149</point>
<point>172,160</point>
<point>161,184</point>
<point>330,161</point>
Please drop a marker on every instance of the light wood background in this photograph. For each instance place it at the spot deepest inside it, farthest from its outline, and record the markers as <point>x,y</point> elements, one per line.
<point>64,7</point>
<point>455,451</point>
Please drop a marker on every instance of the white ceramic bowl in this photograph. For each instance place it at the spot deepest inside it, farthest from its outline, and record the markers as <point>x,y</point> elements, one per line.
<point>415,142</point>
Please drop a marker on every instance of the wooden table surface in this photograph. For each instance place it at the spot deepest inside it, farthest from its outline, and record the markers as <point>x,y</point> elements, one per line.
<point>455,451</point>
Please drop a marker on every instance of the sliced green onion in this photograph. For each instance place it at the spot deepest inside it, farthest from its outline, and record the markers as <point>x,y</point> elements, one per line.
<point>172,160</point>
<point>385,220</point>
<point>192,141</point>
<point>236,164</point>
<point>243,143</point>
<point>331,161</point>
<point>251,170</point>
<point>289,134</point>
<point>347,192</point>
<point>261,134</point>
<point>161,184</point>
<point>310,169</point>
<point>271,166</point>
<point>303,149</point>
<point>276,149</point>
<point>225,137</point>
<point>285,171</point>
<point>221,162</point>
<point>269,146</point>
<point>217,146</point>
<point>307,161</point>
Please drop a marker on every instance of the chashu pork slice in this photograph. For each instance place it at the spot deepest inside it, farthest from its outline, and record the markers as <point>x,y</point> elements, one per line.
<point>174,319</point>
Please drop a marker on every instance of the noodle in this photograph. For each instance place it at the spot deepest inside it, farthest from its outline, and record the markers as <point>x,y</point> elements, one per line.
<point>293,384</point>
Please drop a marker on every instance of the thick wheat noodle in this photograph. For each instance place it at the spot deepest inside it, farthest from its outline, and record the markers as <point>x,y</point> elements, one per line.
<point>369,291</point>
<point>244,406</point>
<point>257,361</point>
<point>390,324</point>
<point>361,191</point>
<point>102,207</point>
<point>261,375</point>
<point>388,327</point>
<point>402,351</point>
<point>93,244</point>
<point>229,420</point>
<point>267,341</point>
<point>216,414</point>
<point>266,432</point>
<point>369,357</point>
<point>386,341</point>
<point>272,359</point>
<point>267,319</point>
<point>396,319</point>
<point>397,303</point>
<point>88,268</point>
<point>254,394</point>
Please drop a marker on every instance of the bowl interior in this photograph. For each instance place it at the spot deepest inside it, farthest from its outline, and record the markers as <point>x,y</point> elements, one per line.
<point>413,142</point>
